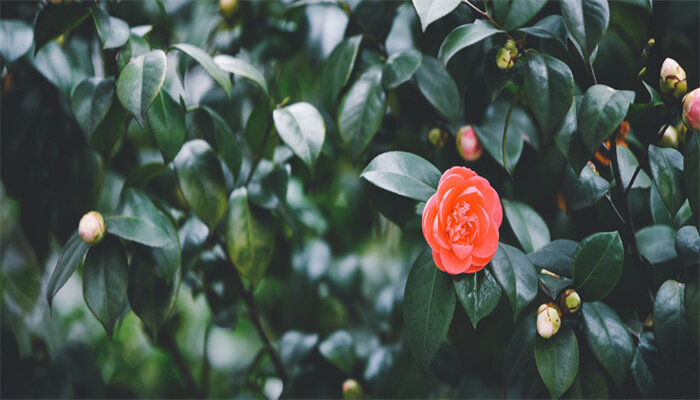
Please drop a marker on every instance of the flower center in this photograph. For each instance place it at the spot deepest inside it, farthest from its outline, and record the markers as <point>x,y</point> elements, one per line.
<point>462,224</point>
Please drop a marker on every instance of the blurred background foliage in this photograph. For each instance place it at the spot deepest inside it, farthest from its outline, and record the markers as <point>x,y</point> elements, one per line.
<point>332,297</point>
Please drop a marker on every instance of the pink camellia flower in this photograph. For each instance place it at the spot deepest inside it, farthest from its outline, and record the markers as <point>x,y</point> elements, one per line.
<point>468,144</point>
<point>691,109</point>
<point>461,221</point>
<point>91,227</point>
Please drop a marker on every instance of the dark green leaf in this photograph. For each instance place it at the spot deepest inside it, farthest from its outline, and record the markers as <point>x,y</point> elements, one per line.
<point>403,173</point>
<point>167,121</point>
<point>590,382</point>
<point>53,20</point>
<point>430,11</point>
<point>687,244</point>
<point>587,21</point>
<point>362,110</point>
<point>239,66</point>
<point>553,284</point>
<point>671,327</point>
<point>597,265</point>
<point>556,256</point>
<point>569,140</point>
<point>549,86</point>
<point>495,78</point>
<point>550,27</point>
<point>528,226</point>
<point>137,219</point>
<point>602,110</point>
<point>339,349</point>
<point>202,181</point>
<point>91,102</point>
<point>691,302</point>
<point>439,88</point>
<point>490,132</point>
<point>301,128</point>
<point>16,39</point>
<point>516,275</point>
<point>628,164</point>
<point>294,346</point>
<point>657,243</point>
<point>557,360</point>
<point>208,63</point>
<point>54,65</point>
<point>659,213</point>
<point>429,302</point>
<point>666,172</point>
<point>338,67</point>
<point>400,67</point>
<point>140,176</point>
<point>479,294</point>
<point>113,32</point>
<point>226,143</point>
<point>109,132</point>
<point>464,36</point>
<point>521,12</point>
<point>608,339</point>
<point>647,370</point>
<point>691,172</point>
<point>140,81</point>
<point>583,191</point>
<point>250,237</point>
<point>105,279</point>
<point>73,254</point>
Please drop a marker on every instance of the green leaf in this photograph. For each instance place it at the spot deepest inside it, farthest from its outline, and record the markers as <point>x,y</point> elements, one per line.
<point>429,302</point>
<point>228,147</point>
<point>338,67</point>
<point>430,11</point>
<point>339,349</point>
<point>400,67</point>
<point>569,140</point>
<point>602,110</point>
<point>201,181</point>
<point>659,213</point>
<point>250,237</point>
<point>608,339</point>
<point>590,382</point>
<point>167,121</point>
<point>362,110</point>
<point>140,81</point>
<point>105,279</point>
<point>208,63</point>
<point>479,294</point>
<point>496,79</point>
<point>657,243</point>
<point>687,245</point>
<point>140,176</point>
<point>151,297</point>
<point>647,370</point>
<point>301,128</point>
<point>557,360</point>
<point>109,132</point>
<point>691,302</point>
<point>528,226</point>
<point>403,173</point>
<point>516,275</point>
<point>16,38</point>
<point>583,191</point>
<point>549,86</point>
<point>551,27</point>
<point>587,21</point>
<point>490,132</point>
<point>113,32</point>
<point>239,66</point>
<point>73,254</point>
<point>553,284</point>
<point>53,20</point>
<point>138,220</point>
<point>556,256</point>
<point>464,36</point>
<point>666,172</point>
<point>54,65</point>
<point>628,164</point>
<point>91,102</point>
<point>691,172</point>
<point>521,12</point>
<point>597,265</point>
<point>439,88</point>
<point>671,327</point>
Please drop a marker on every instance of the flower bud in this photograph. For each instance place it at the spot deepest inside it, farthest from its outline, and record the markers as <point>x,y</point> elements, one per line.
<point>228,7</point>
<point>672,79</point>
<point>352,389</point>
<point>670,138</point>
<point>651,42</point>
<point>505,59</point>
<point>92,227</point>
<point>548,320</point>
<point>438,137</point>
<point>691,109</point>
<point>468,144</point>
<point>570,301</point>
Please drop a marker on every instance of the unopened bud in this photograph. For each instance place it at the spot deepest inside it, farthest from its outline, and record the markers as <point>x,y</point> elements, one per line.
<point>651,42</point>
<point>228,7</point>
<point>352,389</point>
<point>691,109</point>
<point>507,55</point>
<point>570,301</point>
<point>593,168</point>
<point>92,227</point>
<point>642,72</point>
<point>468,144</point>
<point>438,137</point>
<point>548,320</point>
<point>672,81</point>
<point>670,138</point>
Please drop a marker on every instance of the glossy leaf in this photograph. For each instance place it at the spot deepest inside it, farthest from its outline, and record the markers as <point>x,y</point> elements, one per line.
<point>666,172</point>
<point>105,279</point>
<point>549,86</point>
<point>53,63</point>
<point>140,176</point>
<point>556,256</point>
<point>647,370</point>
<point>584,190</point>
<point>137,219</point>
<point>362,110</point>
<point>430,11</point>
<point>553,284</point>
<point>602,110</point>
<point>239,66</point>
<point>496,79</point>
<point>691,172</point>
<point>403,173</point>
<point>113,32</point>
<point>339,65</point>
<point>671,327</point>
<point>687,244</point>
<point>628,164</point>
<point>339,349</point>
<point>250,237</point>
<point>438,87</point>
<point>207,63</point>
<point>587,21</point>
<point>516,275</point>
<point>597,265</point>
<point>16,38</point>
<point>301,128</point>
<point>226,143</point>
<point>569,140</point>
<point>140,81</point>
<point>53,20</point>
<point>608,339</point>
<point>521,12</point>
<point>557,360</point>
<point>400,67</point>
<point>201,181</point>
<point>528,226</point>
<point>91,102</point>
<point>167,121</point>
<point>464,36</point>
<point>490,133</point>
<point>479,294</point>
<point>429,302</point>
<point>551,27</point>
<point>73,254</point>
<point>657,243</point>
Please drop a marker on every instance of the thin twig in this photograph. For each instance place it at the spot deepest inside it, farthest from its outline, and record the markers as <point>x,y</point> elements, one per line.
<point>589,64</point>
<point>607,197</point>
<point>496,24</point>
<point>659,136</point>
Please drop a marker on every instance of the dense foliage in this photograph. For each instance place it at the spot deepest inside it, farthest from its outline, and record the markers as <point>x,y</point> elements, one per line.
<point>267,181</point>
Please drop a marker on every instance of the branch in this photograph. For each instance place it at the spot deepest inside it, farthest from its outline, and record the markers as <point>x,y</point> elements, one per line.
<point>496,24</point>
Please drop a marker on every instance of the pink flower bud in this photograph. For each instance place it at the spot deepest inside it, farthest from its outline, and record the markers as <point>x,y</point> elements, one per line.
<point>672,80</point>
<point>691,109</point>
<point>548,320</point>
<point>92,227</point>
<point>352,389</point>
<point>468,144</point>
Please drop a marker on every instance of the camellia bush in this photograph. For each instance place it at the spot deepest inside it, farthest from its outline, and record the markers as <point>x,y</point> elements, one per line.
<point>426,199</point>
